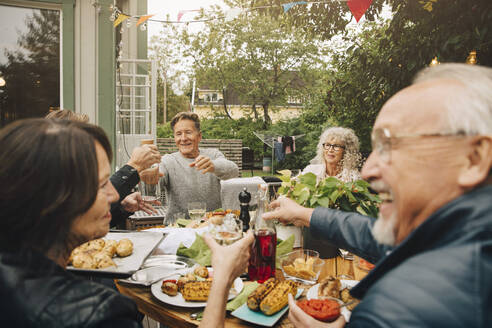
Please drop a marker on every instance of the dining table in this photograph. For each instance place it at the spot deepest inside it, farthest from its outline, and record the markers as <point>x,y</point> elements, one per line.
<point>174,316</point>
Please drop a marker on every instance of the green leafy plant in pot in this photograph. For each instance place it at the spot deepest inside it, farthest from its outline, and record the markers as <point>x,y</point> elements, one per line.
<point>307,191</point>
<point>330,192</point>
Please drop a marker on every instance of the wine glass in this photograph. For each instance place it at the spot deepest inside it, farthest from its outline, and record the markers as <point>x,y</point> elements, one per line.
<point>197,210</point>
<point>346,255</point>
<point>226,230</point>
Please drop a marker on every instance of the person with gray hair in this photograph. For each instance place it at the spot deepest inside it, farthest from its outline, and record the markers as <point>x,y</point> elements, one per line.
<point>193,174</point>
<point>337,155</point>
<point>431,164</point>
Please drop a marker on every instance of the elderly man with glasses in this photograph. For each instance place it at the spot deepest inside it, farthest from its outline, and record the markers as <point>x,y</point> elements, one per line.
<point>432,242</point>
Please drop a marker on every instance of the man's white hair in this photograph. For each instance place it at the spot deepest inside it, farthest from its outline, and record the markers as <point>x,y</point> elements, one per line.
<point>469,111</point>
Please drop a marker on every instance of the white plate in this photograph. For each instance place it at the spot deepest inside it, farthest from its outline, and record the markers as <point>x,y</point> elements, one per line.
<point>312,293</point>
<point>178,300</point>
<point>144,243</point>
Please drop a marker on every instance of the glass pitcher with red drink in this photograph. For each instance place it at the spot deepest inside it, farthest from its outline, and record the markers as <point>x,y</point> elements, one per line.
<point>262,261</point>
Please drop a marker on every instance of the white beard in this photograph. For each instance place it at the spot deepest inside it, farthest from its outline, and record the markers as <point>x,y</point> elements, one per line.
<point>384,230</point>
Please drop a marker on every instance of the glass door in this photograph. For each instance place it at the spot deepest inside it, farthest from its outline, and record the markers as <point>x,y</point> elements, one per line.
<point>29,62</point>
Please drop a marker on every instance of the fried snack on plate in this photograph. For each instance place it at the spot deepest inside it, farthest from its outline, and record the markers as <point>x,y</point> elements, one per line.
<point>124,247</point>
<point>346,297</point>
<point>330,287</point>
<point>201,271</point>
<point>301,268</point>
<point>184,279</point>
<point>196,291</point>
<point>96,244</point>
<point>255,298</point>
<point>217,219</point>
<point>278,297</point>
<point>169,287</point>
<point>103,260</point>
<point>110,247</point>
<point>109,250</point>
<point>83,261</point>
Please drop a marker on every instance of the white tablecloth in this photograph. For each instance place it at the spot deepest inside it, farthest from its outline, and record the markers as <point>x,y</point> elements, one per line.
<point>232,187</point>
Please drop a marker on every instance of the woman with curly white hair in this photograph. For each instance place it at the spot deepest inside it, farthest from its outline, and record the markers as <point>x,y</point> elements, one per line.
<point>337,155</point>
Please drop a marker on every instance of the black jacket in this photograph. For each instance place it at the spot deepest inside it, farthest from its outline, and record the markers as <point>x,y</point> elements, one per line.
<point>36,292</point>
<point>123,180</point>
<point>439,276</point>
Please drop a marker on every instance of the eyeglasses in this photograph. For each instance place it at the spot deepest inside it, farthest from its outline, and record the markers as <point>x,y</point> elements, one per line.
<point>381,140</point>
<point>335,147</point>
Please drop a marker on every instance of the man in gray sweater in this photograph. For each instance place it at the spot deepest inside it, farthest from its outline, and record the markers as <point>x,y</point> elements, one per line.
<point>193,174</point>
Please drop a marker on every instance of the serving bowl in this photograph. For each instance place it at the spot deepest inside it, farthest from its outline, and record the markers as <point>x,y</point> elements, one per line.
<point>302,265</point>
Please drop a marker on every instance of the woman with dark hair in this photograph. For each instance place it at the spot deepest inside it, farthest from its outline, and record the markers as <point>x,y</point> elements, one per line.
<point>55,195</point>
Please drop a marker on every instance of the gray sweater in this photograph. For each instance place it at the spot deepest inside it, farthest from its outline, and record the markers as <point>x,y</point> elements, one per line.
<point>184,184</point>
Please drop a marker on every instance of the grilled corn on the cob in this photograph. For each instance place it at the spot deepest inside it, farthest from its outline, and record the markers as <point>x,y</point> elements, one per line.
<point>196,291</point>
<point>255,298</point>
<point>277,298</point>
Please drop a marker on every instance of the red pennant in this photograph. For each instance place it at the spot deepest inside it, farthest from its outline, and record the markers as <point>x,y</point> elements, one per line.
<point>358,7</point>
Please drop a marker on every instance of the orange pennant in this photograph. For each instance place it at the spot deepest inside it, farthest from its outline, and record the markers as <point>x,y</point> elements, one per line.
<point>143,19</point>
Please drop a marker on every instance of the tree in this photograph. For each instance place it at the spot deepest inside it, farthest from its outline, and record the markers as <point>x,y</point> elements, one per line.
<point>259,58</point>
<point>384,57</point>
<point>451,27</point>
<point>167,51</point>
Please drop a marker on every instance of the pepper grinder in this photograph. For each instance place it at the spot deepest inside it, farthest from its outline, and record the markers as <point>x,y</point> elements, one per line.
<point>244,199</point>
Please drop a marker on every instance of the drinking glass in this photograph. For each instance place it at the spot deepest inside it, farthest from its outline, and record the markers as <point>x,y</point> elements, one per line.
<point>197,210</point>
<point>149,185</point>
<point>171,219</point>
<point>346,255</point>
<point>226,230</point>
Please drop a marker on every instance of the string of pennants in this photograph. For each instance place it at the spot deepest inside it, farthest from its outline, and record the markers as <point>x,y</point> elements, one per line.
<point>357,8</point>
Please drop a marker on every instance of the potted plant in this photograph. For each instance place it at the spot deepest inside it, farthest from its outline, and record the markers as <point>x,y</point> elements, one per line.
<point>307,191</point>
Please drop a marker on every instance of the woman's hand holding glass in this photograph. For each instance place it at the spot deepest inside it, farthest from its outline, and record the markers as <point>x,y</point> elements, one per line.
<point>225,230</point>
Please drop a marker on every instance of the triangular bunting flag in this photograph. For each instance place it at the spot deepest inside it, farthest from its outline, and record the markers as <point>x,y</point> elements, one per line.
<point>358,7</point>
<point>182,12</point>
<point>120,19</point>
<point>143,19</point>
<point>289,5</point>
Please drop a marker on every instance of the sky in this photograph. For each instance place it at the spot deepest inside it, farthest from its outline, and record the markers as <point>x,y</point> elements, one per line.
<point>164,7</point>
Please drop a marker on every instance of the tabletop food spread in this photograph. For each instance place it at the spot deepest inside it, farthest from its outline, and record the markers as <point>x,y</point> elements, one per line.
<point>183,279</point>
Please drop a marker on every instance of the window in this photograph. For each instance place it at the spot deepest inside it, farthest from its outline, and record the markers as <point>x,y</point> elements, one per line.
<point>29,62</point>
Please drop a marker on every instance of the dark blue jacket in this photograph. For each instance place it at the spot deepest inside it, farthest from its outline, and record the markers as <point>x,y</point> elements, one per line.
<point>439,276</point>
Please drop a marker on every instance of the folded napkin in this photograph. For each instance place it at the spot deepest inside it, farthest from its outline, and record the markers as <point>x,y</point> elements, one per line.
<point>283,248</point>
<point>198,251</point>
<point>176,237</point>
<point>242,297</point>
